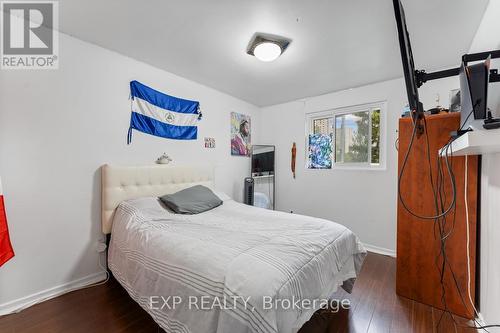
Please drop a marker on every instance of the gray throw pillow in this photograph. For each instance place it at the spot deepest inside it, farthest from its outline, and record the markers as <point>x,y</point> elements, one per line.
<point>192,200</point>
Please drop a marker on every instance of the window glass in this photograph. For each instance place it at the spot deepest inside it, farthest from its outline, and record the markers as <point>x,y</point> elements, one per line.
<point>349,136</point>
<point>352,132</point>
<point>323,126</point>
<point>375,115</point>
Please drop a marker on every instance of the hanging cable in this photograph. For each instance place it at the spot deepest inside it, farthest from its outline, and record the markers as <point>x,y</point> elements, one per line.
<point>440,217</point>
<point>401,174</point>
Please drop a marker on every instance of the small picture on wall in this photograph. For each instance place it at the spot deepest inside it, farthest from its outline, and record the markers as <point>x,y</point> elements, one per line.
<point>209,142</point>
<point>240,134</point>
<point>455,101</point>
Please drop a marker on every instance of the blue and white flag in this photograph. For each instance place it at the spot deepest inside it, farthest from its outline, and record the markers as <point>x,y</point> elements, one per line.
<point>162,115</point>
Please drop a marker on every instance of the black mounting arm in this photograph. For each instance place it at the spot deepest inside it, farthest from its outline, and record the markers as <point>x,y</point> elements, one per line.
<point>423,77</point>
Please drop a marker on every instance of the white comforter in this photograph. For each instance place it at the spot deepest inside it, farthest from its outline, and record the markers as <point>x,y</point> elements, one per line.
<point>231,269</point>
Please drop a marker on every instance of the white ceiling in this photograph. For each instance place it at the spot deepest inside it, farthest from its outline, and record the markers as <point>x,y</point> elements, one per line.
<point>337,44</point>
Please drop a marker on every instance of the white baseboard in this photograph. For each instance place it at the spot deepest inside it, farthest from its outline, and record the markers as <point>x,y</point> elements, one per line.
<point>44,295</point>
<point>480,319</point>
<point>481,322</point>
<point>380,250</point>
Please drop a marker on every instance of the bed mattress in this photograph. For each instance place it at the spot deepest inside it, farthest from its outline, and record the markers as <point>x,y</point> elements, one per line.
<point>234,269</point>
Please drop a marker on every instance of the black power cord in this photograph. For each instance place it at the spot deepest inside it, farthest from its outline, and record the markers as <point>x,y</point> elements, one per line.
<point>439,195</point>
<point>477,325</point>
<point>470,114</point>
<point>401,173</point>
<point>449,153</point>
<point>440,219</point>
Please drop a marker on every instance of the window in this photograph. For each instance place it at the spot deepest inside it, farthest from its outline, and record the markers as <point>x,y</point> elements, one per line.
<point>346,137</point>
<point>323,126</point>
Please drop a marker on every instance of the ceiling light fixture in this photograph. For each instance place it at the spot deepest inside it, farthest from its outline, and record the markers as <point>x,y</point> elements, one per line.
<point>266,47</point>
<point>267,51</point>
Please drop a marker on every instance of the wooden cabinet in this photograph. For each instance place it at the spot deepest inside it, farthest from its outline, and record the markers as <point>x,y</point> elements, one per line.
<point>418,244</point>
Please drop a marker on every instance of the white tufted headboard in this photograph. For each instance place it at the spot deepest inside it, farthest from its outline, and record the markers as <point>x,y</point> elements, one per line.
<point>120,183</point>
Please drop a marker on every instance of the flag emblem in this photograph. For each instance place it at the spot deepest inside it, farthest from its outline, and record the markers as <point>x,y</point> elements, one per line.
<point>170,118</point>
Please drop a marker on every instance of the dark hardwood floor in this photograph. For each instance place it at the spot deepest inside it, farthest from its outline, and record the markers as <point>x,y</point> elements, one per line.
<point>374,307</point>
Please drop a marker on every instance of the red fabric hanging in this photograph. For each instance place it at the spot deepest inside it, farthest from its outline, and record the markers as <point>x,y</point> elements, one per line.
<point>6,251</point>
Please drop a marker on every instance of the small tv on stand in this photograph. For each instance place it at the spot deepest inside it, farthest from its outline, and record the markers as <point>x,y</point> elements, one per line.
<point>263,160</point>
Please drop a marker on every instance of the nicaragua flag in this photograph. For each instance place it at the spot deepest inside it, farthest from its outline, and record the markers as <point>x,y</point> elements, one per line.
<point>6,251</point>
<point>162,115</point>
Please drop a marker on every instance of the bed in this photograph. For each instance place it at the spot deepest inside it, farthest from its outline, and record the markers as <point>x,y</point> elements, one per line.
<point>234,269</point>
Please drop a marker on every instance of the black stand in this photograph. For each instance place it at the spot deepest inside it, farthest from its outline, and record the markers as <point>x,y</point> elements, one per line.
<point>490,122</point>
<point>422,77</point>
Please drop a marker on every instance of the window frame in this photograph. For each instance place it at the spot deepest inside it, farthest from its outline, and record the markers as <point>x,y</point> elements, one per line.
<point>333,113</point>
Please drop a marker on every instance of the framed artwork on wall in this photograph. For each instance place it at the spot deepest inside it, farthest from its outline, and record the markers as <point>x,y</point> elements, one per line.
<point>240,134</point>
<point>320,151</point>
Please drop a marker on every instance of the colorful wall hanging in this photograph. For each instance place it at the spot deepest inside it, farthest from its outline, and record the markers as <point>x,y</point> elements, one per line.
<point>320,151</point>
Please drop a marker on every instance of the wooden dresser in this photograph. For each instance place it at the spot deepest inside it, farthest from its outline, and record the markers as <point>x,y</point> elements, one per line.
<point>418,242</point>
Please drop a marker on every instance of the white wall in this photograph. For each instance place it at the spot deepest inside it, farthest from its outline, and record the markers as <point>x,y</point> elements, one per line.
<point>58,127</point>
<point>363,200</point>
<point>488,38</point>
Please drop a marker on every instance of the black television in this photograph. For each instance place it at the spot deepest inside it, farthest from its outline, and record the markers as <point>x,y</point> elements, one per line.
<point>263,162</point>
<point>407,58</point>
